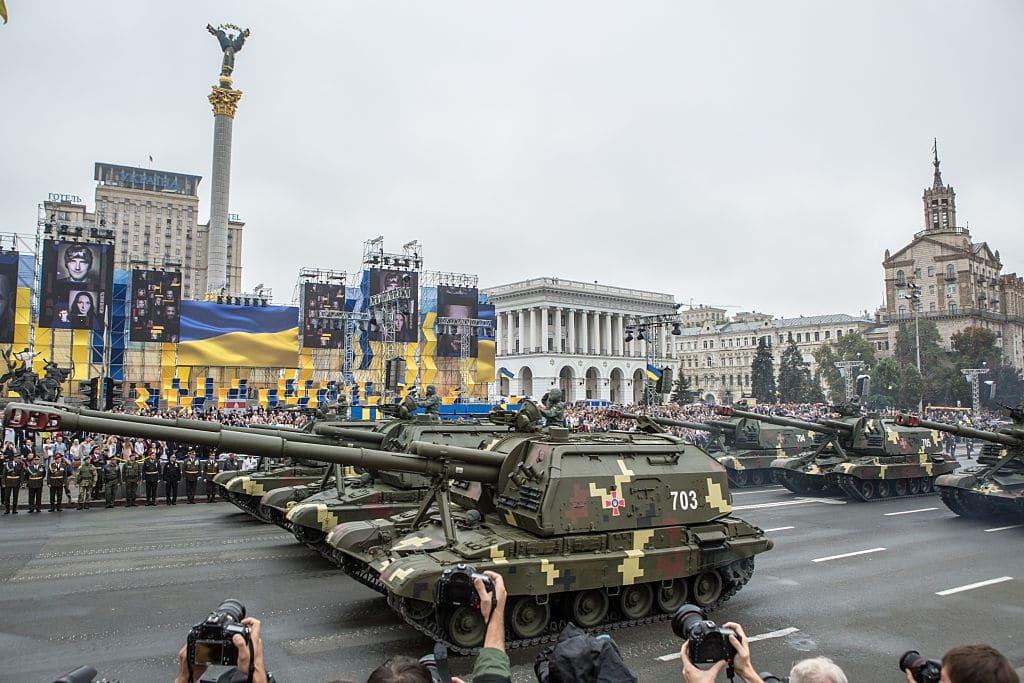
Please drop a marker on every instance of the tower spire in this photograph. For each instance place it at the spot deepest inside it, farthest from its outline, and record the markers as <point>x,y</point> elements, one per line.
<point>937,180</point>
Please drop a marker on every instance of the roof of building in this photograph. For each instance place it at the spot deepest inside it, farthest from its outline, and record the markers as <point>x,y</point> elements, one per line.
<point>758,326</point>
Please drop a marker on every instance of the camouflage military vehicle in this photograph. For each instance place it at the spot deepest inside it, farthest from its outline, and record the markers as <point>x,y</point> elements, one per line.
<point>746,447</point>
<point>608,530</point>
<point>860,456</point>
<point>993,487</point>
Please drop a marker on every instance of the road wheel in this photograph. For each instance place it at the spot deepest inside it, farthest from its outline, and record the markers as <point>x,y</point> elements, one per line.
<point>866,488</point>
<point>899,487</point>
<point>589,608</point>
<point>528,618</point>
<point>707,588</point>
<point>672,596</point>
<point>466,627</point>
<point>914,486</point>
<point>757,477</point>
<point>927,485</point>
<point>636,601</point>
<point>739,478</point>
<point>884,488</point>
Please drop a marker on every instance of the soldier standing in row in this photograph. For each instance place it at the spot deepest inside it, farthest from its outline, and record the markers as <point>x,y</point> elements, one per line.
<point>151,475</point>
<point>190,468</point>
<point>85,479</point>
<point>210,470</point>
<point>13,474</point>
<point>111,479</point>
<point>131,472</point>
<point>171,477</point>
<point>57,477</point>
<point>35,475</point>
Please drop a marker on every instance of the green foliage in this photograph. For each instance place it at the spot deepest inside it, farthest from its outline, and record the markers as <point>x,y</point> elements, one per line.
<point>849,347</point>
<point>794,375</point>
<point>681,394</point>
<point>885,384</point>
<point>973,346</point>
<point>762,374</point>
<point>911,387</point>
<point>1009,389</point>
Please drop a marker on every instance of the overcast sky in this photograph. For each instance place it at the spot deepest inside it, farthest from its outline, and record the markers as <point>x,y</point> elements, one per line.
<point>754,155</point>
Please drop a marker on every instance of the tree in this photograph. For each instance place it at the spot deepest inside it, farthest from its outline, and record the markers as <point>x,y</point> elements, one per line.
<point>1009,387</point>
<point>794,375</point>
<point>940,383</point>
<point>681,394</point>
<point>849,347</point>
<point>975,347</point>
<point>911,387</point>
<point>762,373</point>
<point>885,384</point>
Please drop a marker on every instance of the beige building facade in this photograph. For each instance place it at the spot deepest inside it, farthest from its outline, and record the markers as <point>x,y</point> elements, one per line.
<point>960,281</point>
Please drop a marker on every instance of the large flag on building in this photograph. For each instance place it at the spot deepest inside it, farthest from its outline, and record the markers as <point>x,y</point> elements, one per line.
<point>238,336</point>
<point>653,372</point>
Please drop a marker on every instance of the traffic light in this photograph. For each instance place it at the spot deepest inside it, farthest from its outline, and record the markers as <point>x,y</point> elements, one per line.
<point>90,389</point>
<point>112,393</point>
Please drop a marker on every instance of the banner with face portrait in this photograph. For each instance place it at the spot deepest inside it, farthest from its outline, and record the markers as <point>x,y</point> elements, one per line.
<point>397,291</point>
<point>8,295</point>
<point>323,311</point>
<point>459,303</point>
<point>77,280</point>
<point>155,306</point>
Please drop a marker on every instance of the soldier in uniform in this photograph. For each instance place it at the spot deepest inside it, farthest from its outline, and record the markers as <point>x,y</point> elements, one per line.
<point>431,403</point>
<point>210,470</point>
<point>171,477</point>
<point>57,477</point>
<point>190,468</point>
<point>35,476</point>
<point>552,408</point>
<point>13,474</point>
<point>111,479</point>
<point>85,479</point>
<point>151,475</point>
<point>131,472</point>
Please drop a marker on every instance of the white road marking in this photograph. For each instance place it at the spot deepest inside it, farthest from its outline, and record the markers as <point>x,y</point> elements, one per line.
<point>781,528</point>
<point>1004,528</point>
<point>839,557</point>
<point>972,586</point>
<point>909,512</point>
<point>744,493</point>
<point>787,503</point>
<point>764,636</point>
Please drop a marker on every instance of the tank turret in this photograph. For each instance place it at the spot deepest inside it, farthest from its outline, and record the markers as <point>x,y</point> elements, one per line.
<point>862,456</point>
<point>993,487</point>
<point>607,530</point>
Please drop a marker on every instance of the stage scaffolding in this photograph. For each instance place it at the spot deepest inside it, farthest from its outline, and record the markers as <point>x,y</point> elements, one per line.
<point>386,306</point>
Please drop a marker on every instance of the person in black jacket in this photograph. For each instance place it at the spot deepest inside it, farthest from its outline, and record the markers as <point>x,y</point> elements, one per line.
<point>171,477</point>
<point>13,473</point>
<point>151,475</point>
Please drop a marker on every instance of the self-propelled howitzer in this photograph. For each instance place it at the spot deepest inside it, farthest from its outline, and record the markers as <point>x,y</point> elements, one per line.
<point>604,529</point>
<point>865,457</point>
<point>993,487</point>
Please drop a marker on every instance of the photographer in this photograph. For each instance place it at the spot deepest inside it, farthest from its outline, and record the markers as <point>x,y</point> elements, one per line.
<point>816,670</point>
<point>246,662</point>
<point>492,664</point>
<point>968,664</point>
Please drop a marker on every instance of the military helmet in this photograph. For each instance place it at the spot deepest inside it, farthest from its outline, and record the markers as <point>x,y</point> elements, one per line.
<point>555,395</point>
<point>431,389</point>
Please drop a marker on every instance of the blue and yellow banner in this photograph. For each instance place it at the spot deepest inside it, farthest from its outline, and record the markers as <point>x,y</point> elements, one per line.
<point>653,372</point>
<point>215,334</point>
<point>506,373</point>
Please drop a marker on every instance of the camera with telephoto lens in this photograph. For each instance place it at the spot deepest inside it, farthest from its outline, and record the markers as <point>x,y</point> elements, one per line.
<point>709,642</point>
<point>455,587</point>
<point>923,670</point>
<point>210,642</point>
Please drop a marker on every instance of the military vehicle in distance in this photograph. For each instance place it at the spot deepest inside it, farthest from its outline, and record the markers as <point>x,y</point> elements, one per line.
<point>608,530</point>
<point>861,456</point>
<point>745,447</point>
<point>995,486</point>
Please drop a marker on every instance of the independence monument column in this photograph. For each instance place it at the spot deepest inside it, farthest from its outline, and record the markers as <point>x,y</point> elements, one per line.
<point>224,99</point>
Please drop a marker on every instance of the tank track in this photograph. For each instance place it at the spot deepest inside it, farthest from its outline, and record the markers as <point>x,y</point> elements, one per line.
<point>362,573</point>
<point>975,505</point>
<point>249,505</point>
<point>803,484</point>
<point>848,484</point>
<point>280,519</point>
<point>744,479</point>
<point>734,577</point>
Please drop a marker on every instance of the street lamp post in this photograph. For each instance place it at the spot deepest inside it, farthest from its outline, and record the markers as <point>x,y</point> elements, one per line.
<point>914,296</point>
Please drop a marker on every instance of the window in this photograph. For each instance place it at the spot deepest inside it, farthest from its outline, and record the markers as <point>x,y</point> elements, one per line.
<point>950,272</point>
<point>931,290</point>
<point>817,336</point>
<point>839,334</point>
<point>902,313</point>
<point>931,307</point>
<point>828,334</point>
<point>952,308</point>
<point>951,289</point>
<point>901,278</point>
<point>931,271</point>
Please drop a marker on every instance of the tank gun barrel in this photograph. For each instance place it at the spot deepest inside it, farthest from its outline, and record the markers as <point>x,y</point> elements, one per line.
<point>821,428</point>
<point>473,455</point>
<point>837,424</point>
<point>722,425</point>
<point>349,434</point>
<point>1006,439</point>
<point>665,421</point>
<point>241,441</point>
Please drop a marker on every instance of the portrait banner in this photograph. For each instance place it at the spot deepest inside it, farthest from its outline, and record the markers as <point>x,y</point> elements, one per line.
<point>155,306</point>
<point>323,315</point>
<point>77,279</point>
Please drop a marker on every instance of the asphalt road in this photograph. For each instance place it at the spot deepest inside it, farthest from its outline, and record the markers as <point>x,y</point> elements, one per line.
<point>119,589</point>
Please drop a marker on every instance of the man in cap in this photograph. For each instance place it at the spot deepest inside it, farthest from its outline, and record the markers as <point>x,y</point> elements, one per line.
<point>171,477</point>
<point>85,479</point>
<point>35,476</point>
<point>190,469</point>
<point>131,473</point>
<point>431,403</point>
<point>151,475</point>
<point>111,479</point>
<point>13,474</point>
<point>57,478</point>
<point>210,470</point>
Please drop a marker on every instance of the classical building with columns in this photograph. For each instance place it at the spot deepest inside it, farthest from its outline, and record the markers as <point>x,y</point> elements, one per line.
<point>552,332</point>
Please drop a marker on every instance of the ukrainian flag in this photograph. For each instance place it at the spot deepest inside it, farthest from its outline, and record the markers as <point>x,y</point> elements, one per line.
<point>506,373</point>
<point>242,336</point>
<point>653,373</point>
